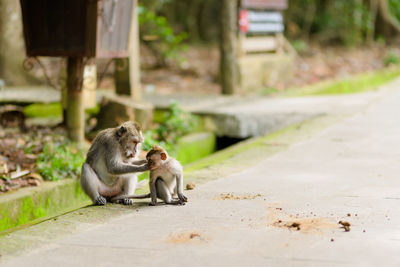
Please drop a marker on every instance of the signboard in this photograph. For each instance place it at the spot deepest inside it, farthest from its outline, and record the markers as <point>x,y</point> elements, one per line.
<point>251,21</point>
<point>265,4</point>
<point>77,28</point>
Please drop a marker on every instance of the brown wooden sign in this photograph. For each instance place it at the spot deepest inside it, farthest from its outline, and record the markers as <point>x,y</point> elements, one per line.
<point>255,21</point>
<point>265,4</point>
<point>77,28</point>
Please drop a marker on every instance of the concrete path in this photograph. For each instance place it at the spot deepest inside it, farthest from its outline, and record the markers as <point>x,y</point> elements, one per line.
<point>232,116</point>
<point>249,116</point>
<point>349,171</point>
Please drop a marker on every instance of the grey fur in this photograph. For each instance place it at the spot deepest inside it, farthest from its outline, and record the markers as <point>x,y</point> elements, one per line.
<point>110,169</point>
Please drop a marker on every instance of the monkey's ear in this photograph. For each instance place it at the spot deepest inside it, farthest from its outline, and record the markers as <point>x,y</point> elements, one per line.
<point>121,130</point>
<point>163,156</point>
<point>137,126</point>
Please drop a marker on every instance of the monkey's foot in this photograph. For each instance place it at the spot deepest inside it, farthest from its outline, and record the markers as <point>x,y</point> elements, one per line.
<point>182,197</point>
<point>101,201</point>
<point>127,201</point>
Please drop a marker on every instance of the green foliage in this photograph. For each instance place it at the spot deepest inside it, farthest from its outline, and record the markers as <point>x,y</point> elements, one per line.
<point>52,110</point>
<point>391,59</point>
<point>394,7</point>
<point>348,22</point>
<point>175,124</point>
<point>300,46</point>
<point>160,35</point>
<point>356,84</point>
<point>60,160</point>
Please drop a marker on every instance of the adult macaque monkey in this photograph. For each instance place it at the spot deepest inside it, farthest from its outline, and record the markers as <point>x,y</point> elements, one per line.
<point>111,166</point>
<point>166,178</point>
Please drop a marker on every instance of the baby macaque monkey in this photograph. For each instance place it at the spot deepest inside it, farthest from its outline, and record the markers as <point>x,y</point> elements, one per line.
<point>166,178</point>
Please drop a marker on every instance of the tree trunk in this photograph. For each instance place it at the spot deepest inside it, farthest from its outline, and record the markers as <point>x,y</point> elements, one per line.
<point>75,111</point>
<point>12,48</point>
<point>373,10</point>
<point>309,19</point>
<point>388,18</point>
<point>228,43</point>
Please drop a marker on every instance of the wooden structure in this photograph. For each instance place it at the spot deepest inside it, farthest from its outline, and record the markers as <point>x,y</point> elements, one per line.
<point>264,55</point>
<point>261,25</point>
<point>77,29</point>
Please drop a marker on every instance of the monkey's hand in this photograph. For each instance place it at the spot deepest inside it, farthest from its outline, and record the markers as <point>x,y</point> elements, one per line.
<point>182,197</point>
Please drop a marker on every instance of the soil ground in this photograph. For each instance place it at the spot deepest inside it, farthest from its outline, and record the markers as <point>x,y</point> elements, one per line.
<point>199,72</point>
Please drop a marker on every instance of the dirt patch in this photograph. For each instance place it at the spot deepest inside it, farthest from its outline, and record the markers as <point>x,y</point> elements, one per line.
<point>319,63</point>
<point>190,186</point>
<point>186,237</point>
<point>307,225</point>
<point>19,150</point>
<point>231,196</point>
<point>345,225</point>
<point>279,218</point>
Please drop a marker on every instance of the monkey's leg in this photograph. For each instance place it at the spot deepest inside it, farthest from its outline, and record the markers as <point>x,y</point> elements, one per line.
<point>179,188</point>
<point>164,193</point>
<point>129,185</point>
<point>90,184</point>
<point>153,190</point>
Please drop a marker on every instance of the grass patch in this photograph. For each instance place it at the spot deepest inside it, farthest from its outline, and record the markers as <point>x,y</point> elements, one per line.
<point>60,160</point>
<point>355,84</point>
<point>52,110</point>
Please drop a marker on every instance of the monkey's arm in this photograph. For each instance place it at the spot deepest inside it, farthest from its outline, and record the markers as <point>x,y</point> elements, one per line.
<point>139,162</point>
<point>116,166</point>
<point>179,187</point>
<point>153,191</point>
<point>130,196</point>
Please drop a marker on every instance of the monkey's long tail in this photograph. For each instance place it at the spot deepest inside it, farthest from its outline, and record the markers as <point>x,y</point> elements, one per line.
<point>131,196</point>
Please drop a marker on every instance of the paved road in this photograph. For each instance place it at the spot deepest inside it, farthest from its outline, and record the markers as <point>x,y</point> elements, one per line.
<point>348,172</point>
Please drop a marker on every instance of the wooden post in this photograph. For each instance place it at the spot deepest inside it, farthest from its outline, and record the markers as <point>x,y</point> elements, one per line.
<point>75,111</point>
<point>121,77</point>
<point>127,78</point>
<point>228,47</point>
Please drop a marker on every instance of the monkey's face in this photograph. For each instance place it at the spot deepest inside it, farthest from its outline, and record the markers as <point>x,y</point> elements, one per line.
<point>131,147</point>
<point>130,139</point>
<point>156,160</point>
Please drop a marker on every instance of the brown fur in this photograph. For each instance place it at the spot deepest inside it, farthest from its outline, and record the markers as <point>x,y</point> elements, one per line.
<point>155,150</point>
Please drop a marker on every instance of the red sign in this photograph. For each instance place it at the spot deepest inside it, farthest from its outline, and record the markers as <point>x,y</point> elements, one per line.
<point>243,21</point>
